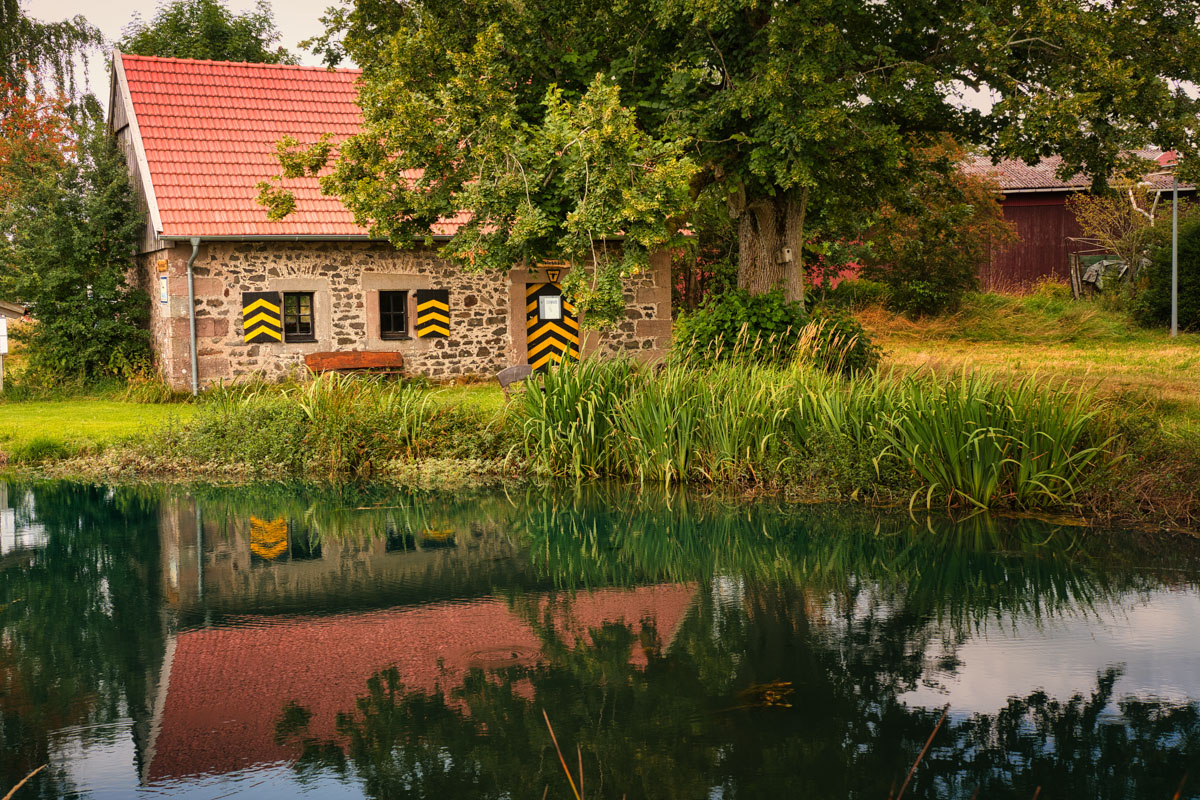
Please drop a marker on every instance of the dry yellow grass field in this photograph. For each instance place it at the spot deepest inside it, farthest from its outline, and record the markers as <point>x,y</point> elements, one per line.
<point>1059,340</point>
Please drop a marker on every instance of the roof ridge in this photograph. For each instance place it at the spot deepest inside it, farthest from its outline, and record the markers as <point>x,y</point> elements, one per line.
<point>256,64</point>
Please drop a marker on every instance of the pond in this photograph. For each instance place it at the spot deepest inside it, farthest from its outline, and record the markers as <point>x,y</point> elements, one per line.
<point>284,642</point>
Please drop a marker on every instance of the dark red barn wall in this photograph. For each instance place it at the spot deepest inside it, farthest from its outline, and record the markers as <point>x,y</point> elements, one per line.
<point>1044,225</point>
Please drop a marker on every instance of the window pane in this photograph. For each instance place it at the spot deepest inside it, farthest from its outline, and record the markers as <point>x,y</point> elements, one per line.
<point>298,316</point>
<point>393,315</point>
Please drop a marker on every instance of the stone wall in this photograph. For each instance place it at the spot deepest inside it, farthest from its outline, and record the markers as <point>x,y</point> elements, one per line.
<point>487,308</point>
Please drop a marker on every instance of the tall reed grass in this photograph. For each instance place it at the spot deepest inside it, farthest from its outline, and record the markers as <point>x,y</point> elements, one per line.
<point>333,428</point>
<point>970,441</point>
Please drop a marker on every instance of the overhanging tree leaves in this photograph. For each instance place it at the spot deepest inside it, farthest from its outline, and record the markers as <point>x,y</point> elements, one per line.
<point>568,186</point>
<point>802,115</point>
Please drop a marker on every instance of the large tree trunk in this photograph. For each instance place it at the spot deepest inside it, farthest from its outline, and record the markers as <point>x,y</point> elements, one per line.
<point>765,227</point>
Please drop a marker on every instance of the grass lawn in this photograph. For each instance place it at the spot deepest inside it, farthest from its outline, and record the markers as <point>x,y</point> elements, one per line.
<point>1056,339</point>
<point>485,397</point>
<point>90,422</point>
<point>78,424</point>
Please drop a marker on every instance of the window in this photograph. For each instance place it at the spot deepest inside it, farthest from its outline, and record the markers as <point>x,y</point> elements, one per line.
<point>298,317</point>
<point>393,315</point>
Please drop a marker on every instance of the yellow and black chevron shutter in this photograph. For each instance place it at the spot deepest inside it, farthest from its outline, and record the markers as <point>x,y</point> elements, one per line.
<point>262,320</point>
<point>552,338</point>
<point>433,312</point>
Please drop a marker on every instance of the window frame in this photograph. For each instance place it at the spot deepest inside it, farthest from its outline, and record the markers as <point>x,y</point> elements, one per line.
<point>403,311</point>
<point>311,336</point>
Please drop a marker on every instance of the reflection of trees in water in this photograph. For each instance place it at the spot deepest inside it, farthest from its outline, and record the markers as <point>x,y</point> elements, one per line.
<point>80,632</point>
<point>695,716</point>
<point>1076,744</point>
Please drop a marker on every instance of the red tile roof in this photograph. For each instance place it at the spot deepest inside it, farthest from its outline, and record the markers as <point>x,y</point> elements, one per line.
<point>209,128</point>
<point>1014,175</point>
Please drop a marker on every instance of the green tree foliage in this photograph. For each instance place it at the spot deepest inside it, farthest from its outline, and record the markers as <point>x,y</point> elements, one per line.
<point>802,116</point>
<point>206,29</point>
<point>38,54</point>
<point>1152,307</point>
<point>566,187</point>
<point>928,243</point>
<point>69,229</point>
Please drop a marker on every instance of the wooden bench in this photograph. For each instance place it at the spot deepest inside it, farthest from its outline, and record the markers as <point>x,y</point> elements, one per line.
<point>380,362</point>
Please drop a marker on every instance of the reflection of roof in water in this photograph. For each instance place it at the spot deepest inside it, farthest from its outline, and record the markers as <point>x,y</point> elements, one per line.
<point>228,686</point>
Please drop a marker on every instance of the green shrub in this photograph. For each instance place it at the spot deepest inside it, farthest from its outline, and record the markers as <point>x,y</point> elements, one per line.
<point>333,428</point>
<point>264,431</point>
<point>69,238</point>
<point>762,327</point>
<point>767,329</point>
<point>915,297</point>
<point>928,243</point>
<point>1152,307</point>
<point>835,342</point>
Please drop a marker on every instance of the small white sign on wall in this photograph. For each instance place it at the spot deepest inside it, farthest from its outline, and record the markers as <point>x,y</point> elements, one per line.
<point>3,336</point>
<point>550,307</point>
<point>162,289</point>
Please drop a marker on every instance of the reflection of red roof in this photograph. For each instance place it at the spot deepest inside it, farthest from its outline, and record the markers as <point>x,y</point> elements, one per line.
<point>228,686</point>
<point>209,128</point>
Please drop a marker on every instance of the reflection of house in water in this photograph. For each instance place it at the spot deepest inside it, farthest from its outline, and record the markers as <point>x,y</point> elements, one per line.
<point>311,626</point>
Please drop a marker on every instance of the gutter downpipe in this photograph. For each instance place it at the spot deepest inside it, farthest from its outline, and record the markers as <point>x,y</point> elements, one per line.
<point>192,312</point>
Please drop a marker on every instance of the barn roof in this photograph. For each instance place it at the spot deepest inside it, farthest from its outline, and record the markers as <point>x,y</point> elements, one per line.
<point>1015,176</point>
<point>204,133</point>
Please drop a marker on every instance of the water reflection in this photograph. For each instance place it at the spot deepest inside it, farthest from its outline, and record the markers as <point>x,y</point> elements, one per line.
<point>276,641</point>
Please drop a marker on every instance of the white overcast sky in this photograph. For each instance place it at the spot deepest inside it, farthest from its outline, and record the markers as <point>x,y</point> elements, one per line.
<point>297,20</point>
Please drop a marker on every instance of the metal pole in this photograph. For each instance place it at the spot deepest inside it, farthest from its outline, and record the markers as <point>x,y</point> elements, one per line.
<point>1174,255</point>
<point>191,282</point>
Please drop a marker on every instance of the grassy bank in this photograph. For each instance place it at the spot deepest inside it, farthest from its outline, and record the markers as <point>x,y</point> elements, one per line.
<point>968,442</point>
<point>1151,379</point>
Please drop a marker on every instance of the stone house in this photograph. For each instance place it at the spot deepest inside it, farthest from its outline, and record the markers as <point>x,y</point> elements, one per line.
<point>234,293</point>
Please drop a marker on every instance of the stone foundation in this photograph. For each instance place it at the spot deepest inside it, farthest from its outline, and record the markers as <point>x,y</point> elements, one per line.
<point>487,309</point>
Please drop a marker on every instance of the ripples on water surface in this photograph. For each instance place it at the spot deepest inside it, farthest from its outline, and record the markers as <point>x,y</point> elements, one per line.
<point>282,643</point>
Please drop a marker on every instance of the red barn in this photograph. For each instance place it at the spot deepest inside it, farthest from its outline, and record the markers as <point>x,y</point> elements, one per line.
<point>1035,201</point>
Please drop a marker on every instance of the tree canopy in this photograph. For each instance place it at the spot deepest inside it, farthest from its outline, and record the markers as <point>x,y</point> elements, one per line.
<point>207,29</point>
<point>803,117</point>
